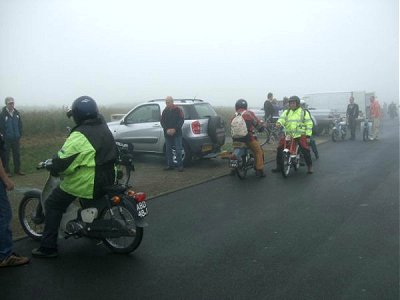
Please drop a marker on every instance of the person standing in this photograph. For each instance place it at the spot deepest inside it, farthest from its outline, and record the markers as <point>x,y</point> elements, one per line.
<point>11,129</point>
<point>376,114</point>
<point>171,121</point>
<point>352,115</point>
<point>268,108</point>
<point>7,257</point>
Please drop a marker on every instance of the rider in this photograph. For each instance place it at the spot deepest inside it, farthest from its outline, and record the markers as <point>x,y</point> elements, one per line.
<point>86,164</point>
<point>252,122</point>
<point>299,124</point>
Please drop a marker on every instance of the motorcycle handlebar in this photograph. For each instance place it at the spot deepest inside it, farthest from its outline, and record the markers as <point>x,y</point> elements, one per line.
<point>44,164</point>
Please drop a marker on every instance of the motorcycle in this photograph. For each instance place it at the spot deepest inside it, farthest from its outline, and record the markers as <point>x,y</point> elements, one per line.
<point>339,129</point>
<point>241,160</point>
<point>367,129</point>
<point>116,219</point>
<point>291,156</point>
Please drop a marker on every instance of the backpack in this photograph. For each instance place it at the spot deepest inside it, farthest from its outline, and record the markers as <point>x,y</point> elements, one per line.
<point>238,126</point>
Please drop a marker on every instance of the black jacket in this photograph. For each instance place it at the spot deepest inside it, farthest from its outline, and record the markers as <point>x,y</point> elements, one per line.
<point>268,110</point>
<point>172,118</point>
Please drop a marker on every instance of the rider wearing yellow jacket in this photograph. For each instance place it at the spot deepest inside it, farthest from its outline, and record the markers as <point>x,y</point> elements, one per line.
<point>299,124</point>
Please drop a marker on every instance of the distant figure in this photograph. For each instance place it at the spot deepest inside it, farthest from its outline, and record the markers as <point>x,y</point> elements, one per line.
<point>352,115</point>
<point>376,115</point>
<point>392,110</point>
<point>11,129</point>
<point>172,121</point>
<point>275,115</point>
<point>268,108</point>
<point>312,143</point>
<point>285,103</point>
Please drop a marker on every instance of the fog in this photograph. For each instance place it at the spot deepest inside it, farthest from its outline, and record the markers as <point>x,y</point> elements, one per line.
<point>53,51</point>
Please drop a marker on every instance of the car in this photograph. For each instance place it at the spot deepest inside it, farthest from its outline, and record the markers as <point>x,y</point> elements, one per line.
<point>203,130</point>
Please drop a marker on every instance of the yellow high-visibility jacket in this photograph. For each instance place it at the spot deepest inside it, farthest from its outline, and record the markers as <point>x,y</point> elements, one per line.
<point>296,122</point>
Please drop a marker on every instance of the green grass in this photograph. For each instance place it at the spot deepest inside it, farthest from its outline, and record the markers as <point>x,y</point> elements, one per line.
<point>36,149</point>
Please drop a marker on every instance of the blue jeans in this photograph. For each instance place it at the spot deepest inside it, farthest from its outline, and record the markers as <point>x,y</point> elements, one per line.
<point>170,141</point>
<point>5,220</point>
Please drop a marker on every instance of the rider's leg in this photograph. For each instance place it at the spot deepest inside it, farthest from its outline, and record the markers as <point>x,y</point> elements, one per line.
<point>56,205</point>
<point>279,158</point>
<point>305,150</point>
<point>258,154</point>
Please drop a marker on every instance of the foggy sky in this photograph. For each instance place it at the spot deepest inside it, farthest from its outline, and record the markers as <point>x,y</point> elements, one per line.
<point>54,51</point>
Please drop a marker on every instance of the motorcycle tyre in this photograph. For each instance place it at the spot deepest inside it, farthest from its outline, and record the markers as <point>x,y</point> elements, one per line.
<point>241,171</point>
<point>110,242</point>
<point>286,165</point>
<point>22,216</point>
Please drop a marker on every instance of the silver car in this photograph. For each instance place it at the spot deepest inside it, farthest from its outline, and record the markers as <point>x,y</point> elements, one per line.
<point>203,130</point>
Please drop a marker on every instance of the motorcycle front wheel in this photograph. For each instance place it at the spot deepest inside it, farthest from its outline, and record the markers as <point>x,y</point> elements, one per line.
<point>286,164</point>
<point>31,217</point>
<point>124,244</point>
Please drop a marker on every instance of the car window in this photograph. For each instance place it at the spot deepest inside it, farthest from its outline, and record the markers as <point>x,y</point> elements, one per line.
<point>204,110</point>
<point>144,114</point>
<point>188,112</point>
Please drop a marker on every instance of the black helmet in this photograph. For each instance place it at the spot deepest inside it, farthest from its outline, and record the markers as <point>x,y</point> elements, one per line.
<point>83,108</point>
<point>295,99</point>
<point>241,103</point>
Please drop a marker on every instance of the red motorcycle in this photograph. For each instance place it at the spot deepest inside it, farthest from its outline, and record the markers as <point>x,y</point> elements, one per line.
<point>291,155</point>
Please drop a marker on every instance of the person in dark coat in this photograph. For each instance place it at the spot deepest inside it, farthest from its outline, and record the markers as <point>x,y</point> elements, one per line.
<point>11,129</point>
<point>352,115</point>
<point>172,121</point>
<point>268,108</point>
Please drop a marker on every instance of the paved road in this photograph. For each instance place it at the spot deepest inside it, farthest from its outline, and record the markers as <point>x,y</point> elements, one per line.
<point>330,235</point>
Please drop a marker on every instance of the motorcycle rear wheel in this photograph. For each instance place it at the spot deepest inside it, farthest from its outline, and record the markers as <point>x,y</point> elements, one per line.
<point>241,169</point>
<point>27,214</point>
<point>124,244</point>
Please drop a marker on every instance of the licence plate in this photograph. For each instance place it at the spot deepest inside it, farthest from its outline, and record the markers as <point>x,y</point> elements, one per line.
<point>206,148</point>
<point>233,163</point>
<point>141,208</point>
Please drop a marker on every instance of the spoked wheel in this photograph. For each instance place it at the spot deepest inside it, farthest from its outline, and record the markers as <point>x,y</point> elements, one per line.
<point>123,244</point>
<point>273,139</point>
<point>241,169</point>
<point>264,137</point>
<point>285,165</point>
<point>31,217</point>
